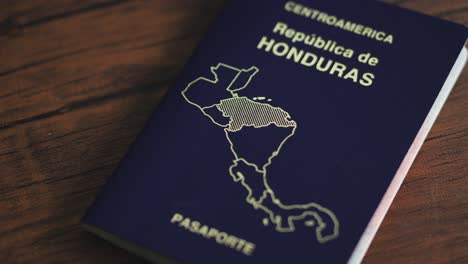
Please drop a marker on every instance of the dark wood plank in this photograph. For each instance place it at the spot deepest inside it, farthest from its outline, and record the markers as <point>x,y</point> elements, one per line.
<point>100,28</point>
<point>26,12</point>
<point>59,157</point>
<point>17,15</point>
<point>80,78</point>
<point>58,164</point>
<point>61,108</point>
<point>454,10</point>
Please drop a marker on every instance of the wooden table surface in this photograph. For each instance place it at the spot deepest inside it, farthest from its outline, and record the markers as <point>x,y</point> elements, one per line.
<point>78,80</point>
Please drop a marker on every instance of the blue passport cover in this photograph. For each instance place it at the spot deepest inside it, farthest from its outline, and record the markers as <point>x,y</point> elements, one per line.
<point>281,135</point>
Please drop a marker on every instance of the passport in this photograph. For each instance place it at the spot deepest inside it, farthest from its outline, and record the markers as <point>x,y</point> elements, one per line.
<point>285,137</point>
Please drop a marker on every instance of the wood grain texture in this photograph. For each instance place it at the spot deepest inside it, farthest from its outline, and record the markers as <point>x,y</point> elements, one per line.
<point>78,81</point>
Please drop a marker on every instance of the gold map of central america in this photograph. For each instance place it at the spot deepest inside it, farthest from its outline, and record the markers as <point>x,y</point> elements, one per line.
<point>241,118</point>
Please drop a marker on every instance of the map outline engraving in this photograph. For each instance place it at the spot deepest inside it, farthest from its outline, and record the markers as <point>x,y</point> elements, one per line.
<point>311,209</point>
